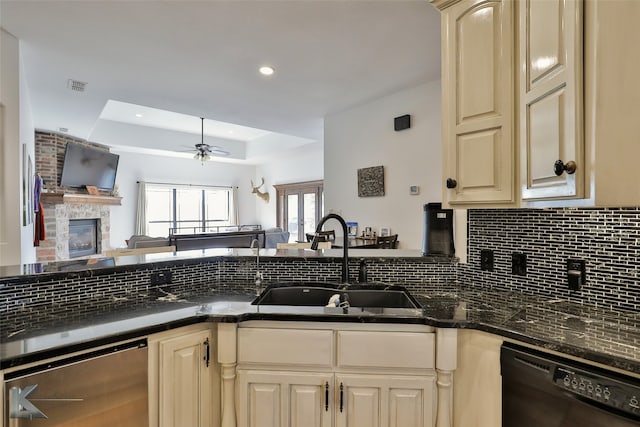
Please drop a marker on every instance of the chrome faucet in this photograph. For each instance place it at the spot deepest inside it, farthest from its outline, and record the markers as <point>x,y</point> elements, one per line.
<point>345,244</point>
<point>258,277</point>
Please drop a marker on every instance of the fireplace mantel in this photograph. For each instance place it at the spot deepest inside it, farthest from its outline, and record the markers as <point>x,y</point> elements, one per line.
<point>60,198</point>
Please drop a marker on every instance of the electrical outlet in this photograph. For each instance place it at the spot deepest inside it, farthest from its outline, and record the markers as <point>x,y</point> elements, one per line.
<point>576,274</point>
<point>518,264</point>
<point>486,260</point>
<point>160,278</point>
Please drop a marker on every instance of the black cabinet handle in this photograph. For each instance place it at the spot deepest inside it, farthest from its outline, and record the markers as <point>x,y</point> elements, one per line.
<point>559,167</point>
<point>451,183</point>
<point>207,352</point>
<point>341,397</point>
<point>326,396</point>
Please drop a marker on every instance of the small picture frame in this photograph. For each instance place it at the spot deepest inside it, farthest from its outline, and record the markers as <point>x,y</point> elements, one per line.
<point>92,189</point>
<point>385,231</point>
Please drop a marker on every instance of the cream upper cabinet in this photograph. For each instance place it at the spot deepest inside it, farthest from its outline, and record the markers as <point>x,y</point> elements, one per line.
<point>550,83</point>
<point>580,102</point>
<point>572,119</point>
<point>478,101</point>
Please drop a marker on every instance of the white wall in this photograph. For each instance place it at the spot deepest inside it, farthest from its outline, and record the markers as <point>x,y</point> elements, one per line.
<point>134,167</point>
<point>27,136</point>
<point>363,137</point>
<point>302,164</point>
<point>10,198</point>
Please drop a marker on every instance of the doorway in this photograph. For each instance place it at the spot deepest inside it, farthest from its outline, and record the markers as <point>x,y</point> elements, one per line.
<point>299,208</point>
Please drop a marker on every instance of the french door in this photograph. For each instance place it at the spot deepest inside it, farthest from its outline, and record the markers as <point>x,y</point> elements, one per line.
<point>300,207</point>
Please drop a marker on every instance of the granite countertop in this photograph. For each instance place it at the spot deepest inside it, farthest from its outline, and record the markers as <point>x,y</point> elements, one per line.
<point>610,338</point>
<point>121,263</point>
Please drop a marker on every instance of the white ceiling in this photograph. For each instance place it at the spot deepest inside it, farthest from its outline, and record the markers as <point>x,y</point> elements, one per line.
<point>201,59</point>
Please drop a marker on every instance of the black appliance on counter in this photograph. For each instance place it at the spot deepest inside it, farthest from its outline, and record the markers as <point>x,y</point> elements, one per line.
<point>542,390</point>
<point>438,231</point>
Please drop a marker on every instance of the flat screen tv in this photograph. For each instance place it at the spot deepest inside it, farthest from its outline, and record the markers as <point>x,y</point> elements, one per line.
<point>88,166</point>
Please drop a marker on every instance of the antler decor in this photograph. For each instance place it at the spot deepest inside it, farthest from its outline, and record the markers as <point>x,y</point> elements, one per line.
<point>255,190</point>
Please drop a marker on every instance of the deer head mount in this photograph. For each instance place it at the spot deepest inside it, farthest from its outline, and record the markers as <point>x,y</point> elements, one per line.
<point>255,190</point>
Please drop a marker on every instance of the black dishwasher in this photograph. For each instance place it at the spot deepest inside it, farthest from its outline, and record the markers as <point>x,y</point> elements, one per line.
<point>542,390</point>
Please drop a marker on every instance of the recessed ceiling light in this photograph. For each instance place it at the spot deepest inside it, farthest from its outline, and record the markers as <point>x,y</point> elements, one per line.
<point>138,115</point>
<point>267,70</point>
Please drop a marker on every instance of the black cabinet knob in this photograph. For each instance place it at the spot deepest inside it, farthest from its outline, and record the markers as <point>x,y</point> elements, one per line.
<point>451,183</point>
<point>559,167</point>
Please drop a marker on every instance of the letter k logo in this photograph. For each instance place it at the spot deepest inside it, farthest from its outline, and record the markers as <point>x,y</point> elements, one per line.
<point>19,405</point>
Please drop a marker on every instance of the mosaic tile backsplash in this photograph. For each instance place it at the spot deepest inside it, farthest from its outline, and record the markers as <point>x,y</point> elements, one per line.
<point>72,296</point>
<point>607,239</point>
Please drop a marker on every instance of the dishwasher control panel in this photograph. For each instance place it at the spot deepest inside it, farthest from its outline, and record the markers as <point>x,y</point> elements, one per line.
<point>603,389</point>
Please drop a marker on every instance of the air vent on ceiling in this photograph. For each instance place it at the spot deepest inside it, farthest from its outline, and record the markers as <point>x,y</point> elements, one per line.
<point>76,85</point>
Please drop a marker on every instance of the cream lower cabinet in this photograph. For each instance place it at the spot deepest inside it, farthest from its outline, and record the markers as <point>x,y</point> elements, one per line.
<point>385,400</point>
<point>284,398</point>
<point>315,399</point>
<point>342,376</point>
<point>477,386</point>
<point>183,378</point>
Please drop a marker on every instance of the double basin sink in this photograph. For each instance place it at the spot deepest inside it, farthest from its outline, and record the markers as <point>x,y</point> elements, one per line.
<point>321,294</point>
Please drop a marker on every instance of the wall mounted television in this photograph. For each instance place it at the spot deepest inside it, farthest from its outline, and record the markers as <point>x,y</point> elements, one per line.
<point>85,165</point>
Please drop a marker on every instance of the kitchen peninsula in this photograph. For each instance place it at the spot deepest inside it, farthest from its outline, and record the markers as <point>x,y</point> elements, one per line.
<point>54,309</point>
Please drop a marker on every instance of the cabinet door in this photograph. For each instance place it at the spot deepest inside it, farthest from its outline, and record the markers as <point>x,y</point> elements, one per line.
<point>284,399</point>
<point>477,102</point>
<point>550,93</point>
<point>384,401</point>
<point>185,381</point>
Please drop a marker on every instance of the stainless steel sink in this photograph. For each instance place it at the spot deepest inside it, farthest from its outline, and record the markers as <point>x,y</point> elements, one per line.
<point>318,294</point>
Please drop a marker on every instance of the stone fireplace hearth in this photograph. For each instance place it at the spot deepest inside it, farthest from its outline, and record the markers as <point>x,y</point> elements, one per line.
<point>56,216</point>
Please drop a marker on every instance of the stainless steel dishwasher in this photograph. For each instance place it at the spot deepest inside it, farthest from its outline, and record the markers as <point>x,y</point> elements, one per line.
<point>541,390</point>
<point>103,388</point>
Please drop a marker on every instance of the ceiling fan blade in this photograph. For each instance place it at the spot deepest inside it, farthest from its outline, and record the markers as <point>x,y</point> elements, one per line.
<point>219,151</point>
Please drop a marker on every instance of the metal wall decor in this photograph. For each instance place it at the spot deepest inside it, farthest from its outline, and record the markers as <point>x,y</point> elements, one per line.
<point>371,181</point>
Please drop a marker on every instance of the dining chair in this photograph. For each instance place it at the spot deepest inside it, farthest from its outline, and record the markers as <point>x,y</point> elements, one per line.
<point>387,242</point>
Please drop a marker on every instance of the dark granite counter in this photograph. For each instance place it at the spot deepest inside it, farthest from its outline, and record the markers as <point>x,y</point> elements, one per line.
<point>123,263</point>
<point>610,338</point>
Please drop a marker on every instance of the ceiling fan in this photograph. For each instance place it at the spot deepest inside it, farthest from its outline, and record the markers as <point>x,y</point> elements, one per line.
<point>204,150</point>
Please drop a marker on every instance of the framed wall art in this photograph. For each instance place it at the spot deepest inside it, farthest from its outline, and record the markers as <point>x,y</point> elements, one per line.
<point>371,181</point>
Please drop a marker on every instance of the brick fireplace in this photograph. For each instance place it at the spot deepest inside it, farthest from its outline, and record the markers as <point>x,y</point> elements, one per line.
<point>59,207</point>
